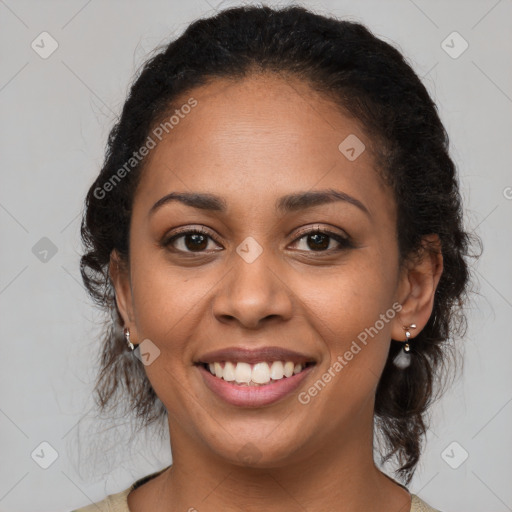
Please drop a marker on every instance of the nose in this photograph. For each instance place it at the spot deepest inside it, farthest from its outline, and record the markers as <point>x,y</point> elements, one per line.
<point>252,294</point>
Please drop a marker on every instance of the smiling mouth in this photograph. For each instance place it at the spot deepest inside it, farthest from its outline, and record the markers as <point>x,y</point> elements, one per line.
<point>256,374</point>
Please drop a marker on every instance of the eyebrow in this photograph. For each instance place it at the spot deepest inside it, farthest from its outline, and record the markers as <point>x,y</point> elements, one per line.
<point>286,204</point>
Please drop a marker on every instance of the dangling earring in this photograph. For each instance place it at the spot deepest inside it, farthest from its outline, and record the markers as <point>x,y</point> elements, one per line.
<point>127,338</point>
<point>403,358</point>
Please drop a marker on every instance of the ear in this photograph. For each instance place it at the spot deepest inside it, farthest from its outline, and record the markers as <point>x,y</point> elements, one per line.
<point>120,277</point>
<point>418,282</point>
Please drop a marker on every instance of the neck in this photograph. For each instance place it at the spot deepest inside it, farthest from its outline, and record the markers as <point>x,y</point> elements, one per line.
<point>338,475</point>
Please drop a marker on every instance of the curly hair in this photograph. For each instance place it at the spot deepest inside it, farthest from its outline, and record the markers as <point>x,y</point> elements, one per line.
<point>367,79</point>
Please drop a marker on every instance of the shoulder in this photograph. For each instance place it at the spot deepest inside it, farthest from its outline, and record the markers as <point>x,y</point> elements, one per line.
<point>118,502</point>
<point>418,505</point>
<point>112,503</point>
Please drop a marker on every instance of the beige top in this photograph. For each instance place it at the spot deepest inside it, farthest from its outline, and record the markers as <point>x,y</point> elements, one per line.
<point>119,502</point>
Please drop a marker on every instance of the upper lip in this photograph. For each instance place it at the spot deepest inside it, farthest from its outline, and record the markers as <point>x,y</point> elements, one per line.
<point>254,355</point>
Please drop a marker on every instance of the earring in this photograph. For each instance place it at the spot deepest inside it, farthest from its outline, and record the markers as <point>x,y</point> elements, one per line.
<point>127,338</point>
<point>403,358</point>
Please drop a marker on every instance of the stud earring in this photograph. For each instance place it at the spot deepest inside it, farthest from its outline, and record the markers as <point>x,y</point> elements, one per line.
<point>403,358</point>
<point>127,338</point>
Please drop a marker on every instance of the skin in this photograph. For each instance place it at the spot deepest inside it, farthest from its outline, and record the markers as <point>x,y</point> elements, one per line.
<point>251,142</point>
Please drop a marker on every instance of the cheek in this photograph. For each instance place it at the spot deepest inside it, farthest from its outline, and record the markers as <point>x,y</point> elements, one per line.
<point>352,296</point>
<point>167,312</point>
<point>167,304</point>
<point>353,312</point>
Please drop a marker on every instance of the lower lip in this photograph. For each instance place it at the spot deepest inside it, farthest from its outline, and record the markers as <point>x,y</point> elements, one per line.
<point>253,396</point>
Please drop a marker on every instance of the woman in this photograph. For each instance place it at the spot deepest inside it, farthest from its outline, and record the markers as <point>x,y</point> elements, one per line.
<point>277,229</point>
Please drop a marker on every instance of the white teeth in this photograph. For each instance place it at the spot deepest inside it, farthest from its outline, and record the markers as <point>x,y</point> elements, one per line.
<point>255,374</point>
<point>261,373</point>
<point>288,368</point>
<point>242,373</point>
<point>229,372</point>
<point>277,370</point>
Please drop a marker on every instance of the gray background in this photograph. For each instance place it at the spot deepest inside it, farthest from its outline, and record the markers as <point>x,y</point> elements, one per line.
<point>56,114</point>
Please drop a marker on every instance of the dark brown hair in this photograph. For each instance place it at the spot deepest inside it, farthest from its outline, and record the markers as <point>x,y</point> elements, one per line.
<point>370,80</point>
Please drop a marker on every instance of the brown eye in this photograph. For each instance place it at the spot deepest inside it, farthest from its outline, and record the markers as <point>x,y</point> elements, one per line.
<point>318,240</point>
<point>192,240</point>
<point>195,241</point>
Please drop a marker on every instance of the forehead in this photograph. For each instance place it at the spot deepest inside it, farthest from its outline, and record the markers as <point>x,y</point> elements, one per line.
<point>255,139</point>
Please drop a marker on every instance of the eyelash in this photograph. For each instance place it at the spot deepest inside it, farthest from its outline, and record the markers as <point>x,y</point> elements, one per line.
<point>344,242</point>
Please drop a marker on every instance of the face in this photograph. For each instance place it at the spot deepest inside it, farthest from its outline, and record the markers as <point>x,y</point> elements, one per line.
<point>316,277</point>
